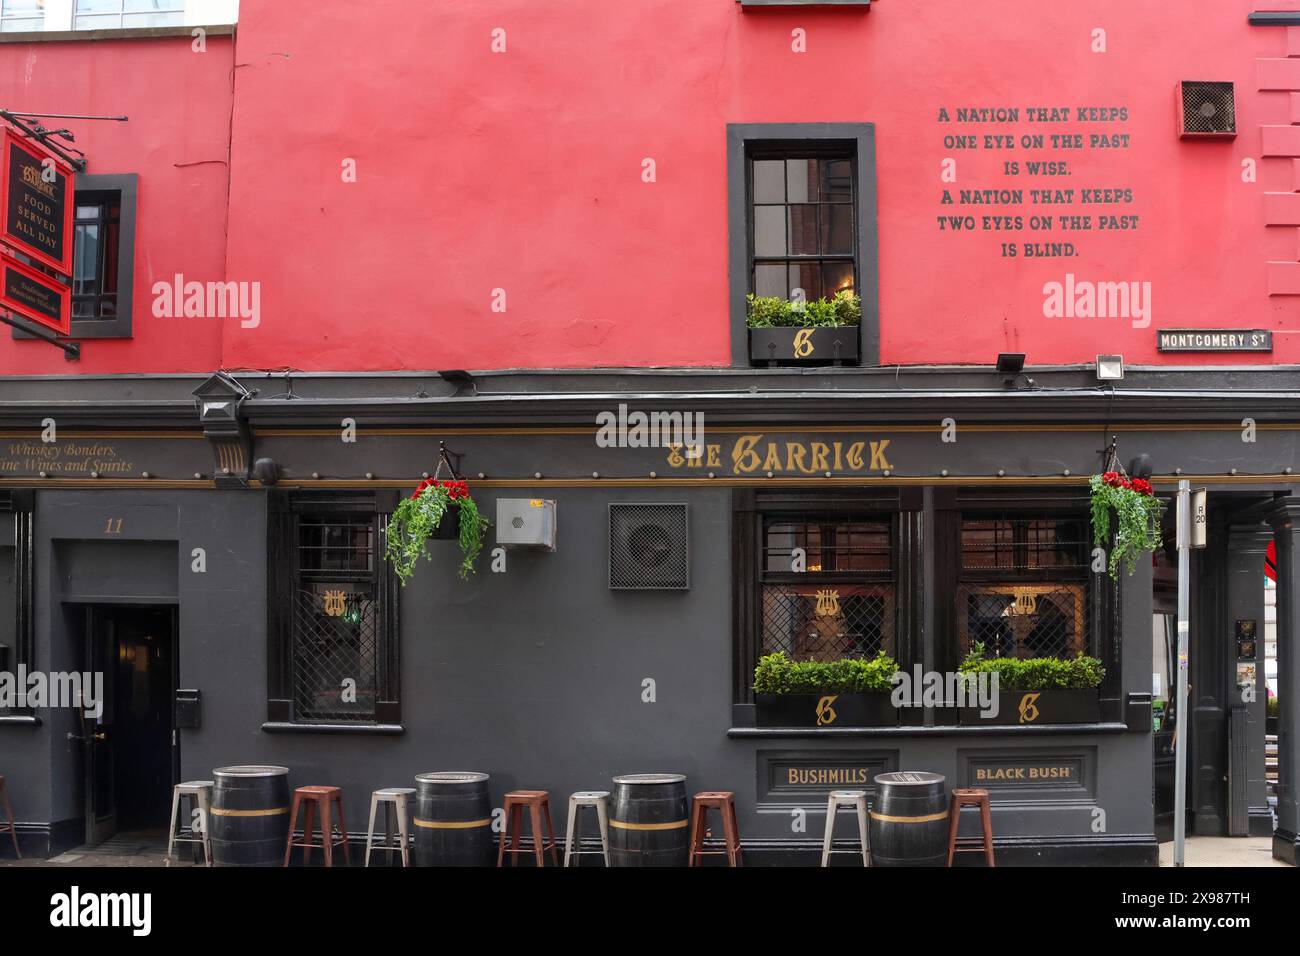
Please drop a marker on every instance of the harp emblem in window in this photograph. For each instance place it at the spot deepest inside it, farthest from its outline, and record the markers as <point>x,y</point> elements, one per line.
<point>828,603</point>
<point>825,714</point>
<point>1028,710</point>
<point>1024,605</point>
<point>335,603</point>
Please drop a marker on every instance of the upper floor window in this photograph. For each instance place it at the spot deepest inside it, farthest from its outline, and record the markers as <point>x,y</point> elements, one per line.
<point>116,14</point>
<point>61,16</point>
<point>97,234</point>
<point>803,244</point>
<point>21,16</point>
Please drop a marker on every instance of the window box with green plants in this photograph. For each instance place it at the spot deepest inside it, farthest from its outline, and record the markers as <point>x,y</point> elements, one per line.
<point>850,692</point>
<point>821,332</point>
<point>1036,690</point>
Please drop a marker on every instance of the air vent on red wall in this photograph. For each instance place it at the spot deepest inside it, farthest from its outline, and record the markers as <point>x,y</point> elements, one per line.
<point>1207,109</point>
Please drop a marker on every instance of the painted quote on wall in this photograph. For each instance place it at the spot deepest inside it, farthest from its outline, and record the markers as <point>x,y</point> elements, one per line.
<point>1031,200</point>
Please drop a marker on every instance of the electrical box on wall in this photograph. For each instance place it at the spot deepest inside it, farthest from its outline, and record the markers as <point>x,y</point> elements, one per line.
<point>526,523</point>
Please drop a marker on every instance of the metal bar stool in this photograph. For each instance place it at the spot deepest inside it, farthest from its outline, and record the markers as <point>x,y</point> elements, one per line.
<point>599,799</point>
<point>9,814</point>
<point>971,797</point>
<point>538,803</point>
<point>199,793</point>
<point>397,800</point>
<point>725,802</point>
<point>327,799</point>
<point>847,798</point>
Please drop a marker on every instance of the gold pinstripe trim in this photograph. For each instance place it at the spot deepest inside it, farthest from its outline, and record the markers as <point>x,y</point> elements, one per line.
<point>623,825</point>
<point>928,818</point>
<point>451,824</point>
<point>274,812</point>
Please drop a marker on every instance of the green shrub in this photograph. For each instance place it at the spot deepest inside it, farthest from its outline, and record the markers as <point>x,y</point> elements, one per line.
<point>1273,708</point>
<point>767,312</point>
<point>777,674</point>
<point>1036,673</point>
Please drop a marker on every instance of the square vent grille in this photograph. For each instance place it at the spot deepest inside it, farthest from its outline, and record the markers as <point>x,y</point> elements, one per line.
<point>1207,109</point>
<point>649,547</point>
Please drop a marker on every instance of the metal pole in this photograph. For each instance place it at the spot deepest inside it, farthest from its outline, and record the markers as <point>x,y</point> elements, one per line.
<point>1184,724</point>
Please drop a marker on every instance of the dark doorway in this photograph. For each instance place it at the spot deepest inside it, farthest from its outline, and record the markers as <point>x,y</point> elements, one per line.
<point>131,755</point>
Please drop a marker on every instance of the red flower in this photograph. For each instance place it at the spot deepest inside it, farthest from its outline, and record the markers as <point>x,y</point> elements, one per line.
<point>1143,487</point>
<point>455,489</point>
<point>1114,479</point>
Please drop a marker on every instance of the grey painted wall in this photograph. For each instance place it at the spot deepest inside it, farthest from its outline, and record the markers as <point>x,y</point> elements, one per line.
<point>534,676</point>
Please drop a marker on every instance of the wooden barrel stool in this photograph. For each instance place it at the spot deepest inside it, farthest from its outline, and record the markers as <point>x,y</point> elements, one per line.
<point>327,799</point>
<point>971,797</point>
<point>538,803</point>
<point>725,802</point>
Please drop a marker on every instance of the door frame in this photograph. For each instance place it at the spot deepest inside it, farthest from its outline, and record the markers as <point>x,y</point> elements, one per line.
<point>98,829</point>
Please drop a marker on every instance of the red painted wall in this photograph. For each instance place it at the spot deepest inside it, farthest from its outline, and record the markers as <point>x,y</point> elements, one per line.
<point>521,171</point>
<point>177,140</point>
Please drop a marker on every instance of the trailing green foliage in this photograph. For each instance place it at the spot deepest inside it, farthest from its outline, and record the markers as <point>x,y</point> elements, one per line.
<point>1035,673</point>
<point>766,312</point>
<point>416,518</point>
<point>777,674</point>
<point>1273,708</point>
<point>1137,513</point>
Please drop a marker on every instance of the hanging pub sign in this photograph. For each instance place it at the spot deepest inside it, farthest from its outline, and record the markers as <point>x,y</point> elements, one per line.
<point>36,203</point>
<point>34,295</point>
<point>1214,340</point>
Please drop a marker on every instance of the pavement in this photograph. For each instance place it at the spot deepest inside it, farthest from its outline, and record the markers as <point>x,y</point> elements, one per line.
<point>1223,851</point>
<point>150,850</point>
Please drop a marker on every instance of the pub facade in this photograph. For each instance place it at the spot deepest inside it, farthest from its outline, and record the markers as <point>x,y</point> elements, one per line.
<point>763,381</point>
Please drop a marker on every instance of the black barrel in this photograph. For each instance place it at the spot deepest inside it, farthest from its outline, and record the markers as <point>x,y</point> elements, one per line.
<point>647,820</point>
<point>249,815</point>
<point>453,820</point>
<point>909,820</point>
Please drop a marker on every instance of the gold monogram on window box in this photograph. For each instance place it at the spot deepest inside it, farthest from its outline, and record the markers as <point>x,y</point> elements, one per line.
<point>1023,620</point>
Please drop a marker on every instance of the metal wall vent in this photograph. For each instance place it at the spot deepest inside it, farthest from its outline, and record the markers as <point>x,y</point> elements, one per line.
<point>649,547</point>
<point>1207,109</point>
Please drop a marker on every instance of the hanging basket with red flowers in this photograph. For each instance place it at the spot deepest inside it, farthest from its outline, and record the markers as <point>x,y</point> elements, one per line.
<point>421,517</point>
<point>1137,514</point>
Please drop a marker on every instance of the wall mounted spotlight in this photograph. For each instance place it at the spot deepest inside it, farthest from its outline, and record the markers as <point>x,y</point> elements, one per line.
<point>1110,368</point>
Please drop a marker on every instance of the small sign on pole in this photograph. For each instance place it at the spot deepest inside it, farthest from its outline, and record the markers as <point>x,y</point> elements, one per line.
<point>1199,518</point>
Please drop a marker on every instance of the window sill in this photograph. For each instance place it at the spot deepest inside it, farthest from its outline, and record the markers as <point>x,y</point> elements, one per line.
<point>944,731</point>
<point>380,730</point>
<point>119,33</point>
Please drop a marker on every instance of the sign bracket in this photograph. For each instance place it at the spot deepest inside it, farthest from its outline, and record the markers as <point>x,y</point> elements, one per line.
<point>43,136</point>
<point>71,350</point>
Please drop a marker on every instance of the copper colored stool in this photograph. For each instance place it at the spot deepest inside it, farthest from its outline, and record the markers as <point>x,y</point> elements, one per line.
<point>9,814</point>
<point>327,799</point>
<point>539,804</point>
<point>725,802</point>
<point>970,797</point>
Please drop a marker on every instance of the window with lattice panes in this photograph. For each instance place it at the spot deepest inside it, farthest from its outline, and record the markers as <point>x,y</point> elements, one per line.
<point>842,602</point>
<point>1023,585</point>
<point>332,613</point>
